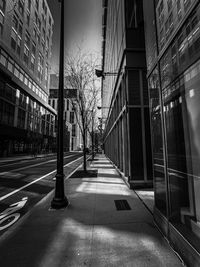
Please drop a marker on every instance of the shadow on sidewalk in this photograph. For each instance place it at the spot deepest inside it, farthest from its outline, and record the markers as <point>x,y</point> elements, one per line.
<point>91,232</point>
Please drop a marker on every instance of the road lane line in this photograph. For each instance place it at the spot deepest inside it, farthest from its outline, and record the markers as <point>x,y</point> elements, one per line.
<point>37,164</point>
<point>35,181</point>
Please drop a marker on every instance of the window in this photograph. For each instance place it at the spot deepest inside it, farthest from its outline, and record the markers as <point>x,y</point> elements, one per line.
<point>28,18</point>
<point>22,100</point>
<point>10,93</point>
<point>2,8</point>
<point>20,29</point>
<point>32,62</point>
<point>13,39</point>
<point>33,48</point>
<point>19,40</point>
<point>15,22</point>
<point>26,54</point>
<point>50,21</point>
<point>73,130</point>
<point>10,65</point>
<point>27,39</point>
<point>21,118</point>
<point>40,66</point>
<point>16,34</point>
<point>53,103</point>
<point>46,72</point>
<point>71,118</point>
<point>7,113</point>
<point>1,22</point>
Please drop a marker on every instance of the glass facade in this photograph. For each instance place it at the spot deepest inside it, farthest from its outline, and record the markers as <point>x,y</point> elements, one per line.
<point>174,83</point>
<point>7,62</point>
<point>27,119</point>
<point>157,143</point>
<point>115,45</point>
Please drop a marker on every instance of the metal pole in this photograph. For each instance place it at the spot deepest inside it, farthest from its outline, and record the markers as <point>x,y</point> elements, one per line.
<point>60,200</point>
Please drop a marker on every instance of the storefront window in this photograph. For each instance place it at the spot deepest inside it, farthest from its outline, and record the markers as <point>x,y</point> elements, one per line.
<point>182,115</point>
<point>158,157</point>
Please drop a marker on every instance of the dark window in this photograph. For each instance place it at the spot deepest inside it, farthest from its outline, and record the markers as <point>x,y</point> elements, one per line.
<point>71,118</point>
<point>26,54</point>
<point>21,118</point>
<point>73,130</point>
<point>22,100</point>
<point>7,111</point>
<point>28,18</point>
<point>27,39</point>
<point>10,93</point>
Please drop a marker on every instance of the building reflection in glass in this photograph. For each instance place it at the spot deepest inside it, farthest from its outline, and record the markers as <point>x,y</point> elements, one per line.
<point>158,157</point>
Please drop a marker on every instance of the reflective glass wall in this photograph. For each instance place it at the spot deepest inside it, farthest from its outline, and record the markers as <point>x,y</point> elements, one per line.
<point>174,90</point>
<point>157,143</point>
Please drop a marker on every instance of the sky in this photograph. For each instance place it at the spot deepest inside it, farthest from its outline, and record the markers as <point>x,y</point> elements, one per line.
<point>83,20</point>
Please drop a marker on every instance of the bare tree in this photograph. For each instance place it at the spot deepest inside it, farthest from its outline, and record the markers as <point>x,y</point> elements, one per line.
<point>93,128</point>
<point>80,73</point>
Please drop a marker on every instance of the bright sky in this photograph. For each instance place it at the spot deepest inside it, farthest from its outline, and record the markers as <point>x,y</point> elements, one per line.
<point>82,26</point>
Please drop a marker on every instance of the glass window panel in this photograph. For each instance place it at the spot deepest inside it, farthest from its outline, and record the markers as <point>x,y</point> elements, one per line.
<point>158,157</point>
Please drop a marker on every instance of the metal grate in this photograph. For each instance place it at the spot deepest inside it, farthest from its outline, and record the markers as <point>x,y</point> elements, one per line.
<point>122,204</point>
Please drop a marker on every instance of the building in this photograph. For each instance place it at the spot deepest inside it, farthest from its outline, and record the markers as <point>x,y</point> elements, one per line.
<point>125,110</point>
<point>72,132</point>
<point>27,122</point>
<point>172,32</point>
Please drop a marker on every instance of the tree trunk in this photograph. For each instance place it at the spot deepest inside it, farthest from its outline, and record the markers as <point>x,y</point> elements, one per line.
<point>92,144</point>
<point>84,152</point>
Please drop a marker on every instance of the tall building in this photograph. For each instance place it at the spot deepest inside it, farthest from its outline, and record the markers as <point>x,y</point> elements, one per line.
<point>125,109</point>
<point>172,32</point>
<point>72,132</point>
<point>26,119</point>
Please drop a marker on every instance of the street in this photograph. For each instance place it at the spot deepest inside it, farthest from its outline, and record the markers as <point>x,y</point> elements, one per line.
<point>25,182</point>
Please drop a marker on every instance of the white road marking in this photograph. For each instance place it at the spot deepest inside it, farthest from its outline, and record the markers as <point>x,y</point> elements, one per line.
<point>35,181</point>
<point>37,164</point>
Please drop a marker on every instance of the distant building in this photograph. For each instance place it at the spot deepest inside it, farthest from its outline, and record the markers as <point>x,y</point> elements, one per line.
<point>72,132</point>
<point>172,32</point>
<point>27,122</point>
<point>125,109</point>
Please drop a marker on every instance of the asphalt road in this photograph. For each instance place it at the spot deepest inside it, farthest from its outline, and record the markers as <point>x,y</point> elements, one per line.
<point>26,182</point>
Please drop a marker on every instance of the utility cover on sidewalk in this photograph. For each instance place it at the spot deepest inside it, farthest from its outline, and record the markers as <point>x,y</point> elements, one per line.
<point>122,204</point>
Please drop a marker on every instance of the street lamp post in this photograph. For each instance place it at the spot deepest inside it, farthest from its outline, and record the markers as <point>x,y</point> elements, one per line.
<point>60,200</point>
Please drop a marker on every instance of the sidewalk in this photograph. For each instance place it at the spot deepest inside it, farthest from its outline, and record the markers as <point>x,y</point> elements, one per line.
<point>91,231</point>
